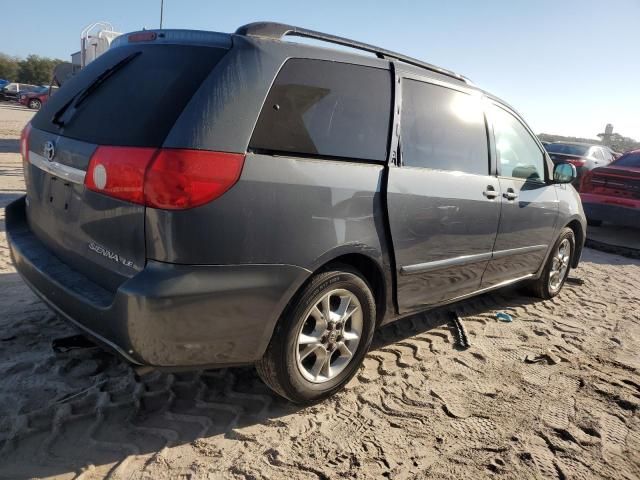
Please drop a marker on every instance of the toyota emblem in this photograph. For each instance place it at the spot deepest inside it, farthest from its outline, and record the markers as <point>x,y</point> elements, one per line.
<point>49,150</point>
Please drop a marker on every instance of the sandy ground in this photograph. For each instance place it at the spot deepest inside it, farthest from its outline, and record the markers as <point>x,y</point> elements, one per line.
<point>555,394</point>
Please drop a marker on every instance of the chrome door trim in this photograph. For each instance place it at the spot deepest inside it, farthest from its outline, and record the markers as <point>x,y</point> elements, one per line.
<point>65,172</point>
<point>518,251</point>
<point>448,262</point>
<point>467,259</point>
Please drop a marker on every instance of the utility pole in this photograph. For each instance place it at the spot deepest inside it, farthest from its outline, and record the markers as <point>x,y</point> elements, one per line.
<point>161,12</point>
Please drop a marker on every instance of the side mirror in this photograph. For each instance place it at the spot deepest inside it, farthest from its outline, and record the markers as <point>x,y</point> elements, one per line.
<point>564,173</point>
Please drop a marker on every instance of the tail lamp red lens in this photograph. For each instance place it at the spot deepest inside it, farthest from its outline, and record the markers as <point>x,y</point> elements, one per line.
<point>170,179</point>
<point>24,151</point>
<point>187,178</point>
<point>24,142</point>
<point>119,172</point>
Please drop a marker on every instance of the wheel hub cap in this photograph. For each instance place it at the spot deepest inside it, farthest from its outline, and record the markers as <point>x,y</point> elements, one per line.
<point>329,336</point>
<point>560,265</point>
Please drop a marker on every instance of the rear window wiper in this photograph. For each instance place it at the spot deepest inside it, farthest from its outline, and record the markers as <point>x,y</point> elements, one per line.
<point>82,95</point>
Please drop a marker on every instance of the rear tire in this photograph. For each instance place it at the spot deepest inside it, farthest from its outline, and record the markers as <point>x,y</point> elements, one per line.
<point>312,353</point>
<point>35,104</point>
<point>557,269</point>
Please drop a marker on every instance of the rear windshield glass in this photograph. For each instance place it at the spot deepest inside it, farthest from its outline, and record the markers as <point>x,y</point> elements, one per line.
<point>316,107</point>
<point>139,102</point>
<point>567,148</point>
<point>629,160</point>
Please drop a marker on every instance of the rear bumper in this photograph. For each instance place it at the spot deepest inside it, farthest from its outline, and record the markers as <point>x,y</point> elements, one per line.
<point>595,208</point>
<point>168,315</point>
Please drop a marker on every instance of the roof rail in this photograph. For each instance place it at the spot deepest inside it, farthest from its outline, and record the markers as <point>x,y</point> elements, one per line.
<point>277,31</point>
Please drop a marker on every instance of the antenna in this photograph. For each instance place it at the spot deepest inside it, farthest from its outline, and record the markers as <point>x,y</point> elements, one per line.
<point>161,12</point>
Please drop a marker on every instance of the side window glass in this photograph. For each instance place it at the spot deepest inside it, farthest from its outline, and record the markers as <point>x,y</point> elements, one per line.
<point>518,153</point>
<point>317,107</point>
<point>442,129</point>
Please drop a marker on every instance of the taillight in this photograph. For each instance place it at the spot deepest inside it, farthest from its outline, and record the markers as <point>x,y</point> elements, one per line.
<point>24,151</point>
<point>170,179</point>
<point>24,142</point>
<point>585,183</point>
<point>119,172</point>
<point>180,179</point>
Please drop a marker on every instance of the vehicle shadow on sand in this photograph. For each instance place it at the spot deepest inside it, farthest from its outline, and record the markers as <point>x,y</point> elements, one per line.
<point>90,408</point>
<point>15,106</point>
<point>9,145</point>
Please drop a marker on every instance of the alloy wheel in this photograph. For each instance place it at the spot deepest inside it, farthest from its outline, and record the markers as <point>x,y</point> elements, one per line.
<point>559,265</point>
<point>329,336</point>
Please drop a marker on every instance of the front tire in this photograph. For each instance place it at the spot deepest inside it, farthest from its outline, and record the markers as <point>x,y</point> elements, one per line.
<point>35,104</point>
<point>558,265</point>
<point>322,338</point>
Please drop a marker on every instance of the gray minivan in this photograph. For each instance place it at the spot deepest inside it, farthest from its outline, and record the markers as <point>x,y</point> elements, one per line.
<point>199,199</point>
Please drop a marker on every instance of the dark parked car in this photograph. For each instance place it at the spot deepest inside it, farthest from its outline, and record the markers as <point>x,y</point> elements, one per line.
<point>288,201</point>
<point>583,156</point>
<point>12,91</point>
<point>37,98</point>
<point>612,193</point>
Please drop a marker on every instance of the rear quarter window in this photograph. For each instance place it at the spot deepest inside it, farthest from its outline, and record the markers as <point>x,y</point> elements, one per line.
<point>139,103</point>
<point>322,108</point>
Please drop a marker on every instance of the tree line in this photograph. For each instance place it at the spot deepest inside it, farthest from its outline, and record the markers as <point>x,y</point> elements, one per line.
<point>34,69</point>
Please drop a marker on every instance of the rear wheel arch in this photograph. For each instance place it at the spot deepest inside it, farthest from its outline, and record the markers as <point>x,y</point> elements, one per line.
<point>366,266</point>
<point>370,271</point>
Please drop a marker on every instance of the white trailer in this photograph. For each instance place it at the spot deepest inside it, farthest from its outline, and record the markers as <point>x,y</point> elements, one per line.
<point>95,39</point>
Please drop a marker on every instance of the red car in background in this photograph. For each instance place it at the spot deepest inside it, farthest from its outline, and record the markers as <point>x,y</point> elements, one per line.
<point>612,193</point>
<point>36,98</point>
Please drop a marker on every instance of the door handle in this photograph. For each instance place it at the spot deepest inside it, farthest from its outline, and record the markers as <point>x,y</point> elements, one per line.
<point>490,192</point>
<point>510,194</point>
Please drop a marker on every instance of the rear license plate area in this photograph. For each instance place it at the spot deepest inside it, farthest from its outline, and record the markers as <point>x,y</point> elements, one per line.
<point>59,192</point>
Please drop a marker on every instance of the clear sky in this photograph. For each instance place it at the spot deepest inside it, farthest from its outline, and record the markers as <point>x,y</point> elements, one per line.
<point>569,66</point>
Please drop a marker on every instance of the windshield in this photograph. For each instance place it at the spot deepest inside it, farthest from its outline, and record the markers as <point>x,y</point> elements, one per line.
<point>567,149</point>
<point>628,160</point>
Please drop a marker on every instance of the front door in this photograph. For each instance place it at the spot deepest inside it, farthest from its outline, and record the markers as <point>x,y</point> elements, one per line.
<point>443,204</point>
<point>529,203</point>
